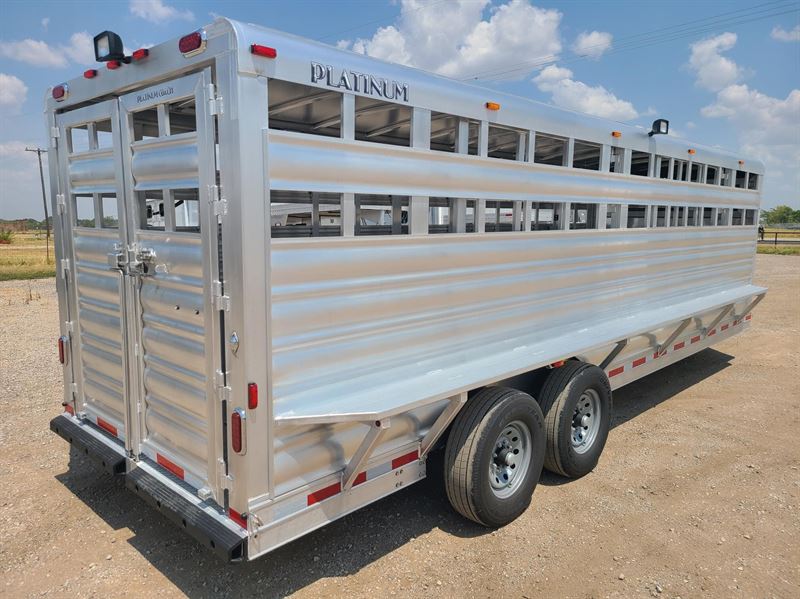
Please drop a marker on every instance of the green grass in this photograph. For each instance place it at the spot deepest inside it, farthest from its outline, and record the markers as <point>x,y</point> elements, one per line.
<point>779,250</point>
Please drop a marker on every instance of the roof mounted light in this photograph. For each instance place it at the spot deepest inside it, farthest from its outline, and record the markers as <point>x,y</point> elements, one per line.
<point>264,51</point>
<point>660,127</point>
<point>140,54</point>
<point>60,92</point>
<point>492,106</point>
<point>108,46</point>
<point>192,44</point>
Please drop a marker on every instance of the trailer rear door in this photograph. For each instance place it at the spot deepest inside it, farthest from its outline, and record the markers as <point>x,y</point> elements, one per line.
<point>151,374</point>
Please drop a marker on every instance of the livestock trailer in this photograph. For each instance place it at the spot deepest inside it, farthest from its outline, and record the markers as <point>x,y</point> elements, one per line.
<point>287,273</point>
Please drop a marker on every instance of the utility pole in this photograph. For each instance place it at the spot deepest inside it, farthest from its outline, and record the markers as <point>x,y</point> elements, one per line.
<point>39,152</point>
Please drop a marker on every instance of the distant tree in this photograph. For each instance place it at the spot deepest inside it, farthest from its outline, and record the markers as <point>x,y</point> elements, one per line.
<point>781,214</point>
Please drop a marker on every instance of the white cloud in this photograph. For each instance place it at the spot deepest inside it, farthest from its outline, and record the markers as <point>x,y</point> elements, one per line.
<point>780,34</point>
<point>592,44</point>
<point>576,95</point>
<point>38,53</point>
<point>13,93</point>
<point>157,12</point>
<point>469,44</point>
<point>45,23</point>
<point>712,70</point>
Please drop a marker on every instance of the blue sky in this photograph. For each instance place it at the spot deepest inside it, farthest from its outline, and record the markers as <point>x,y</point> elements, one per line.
<point>724,73</point>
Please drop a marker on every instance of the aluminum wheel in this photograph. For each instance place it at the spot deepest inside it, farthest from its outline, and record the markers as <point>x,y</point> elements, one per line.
<point>586,421</point>
<point>510,459</point>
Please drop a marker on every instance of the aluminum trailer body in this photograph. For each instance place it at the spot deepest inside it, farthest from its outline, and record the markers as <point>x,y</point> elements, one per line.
<point>255,381</point>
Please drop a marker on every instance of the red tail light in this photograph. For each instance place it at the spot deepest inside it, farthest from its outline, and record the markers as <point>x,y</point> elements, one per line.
<point>113,65</point>
<point>252,396</point>
<point>90,73</point>
<point>264,51</point>
<point>192,44</point>
<point>237,418</point>
<point>62,353</point>
<point>60,92</point>
<point>141,54</point>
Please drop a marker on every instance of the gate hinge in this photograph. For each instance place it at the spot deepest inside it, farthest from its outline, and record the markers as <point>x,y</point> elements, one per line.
<point>70,328</point>
<point>73,388</point>
<point>61,203</point>
<point>54,135</point>
<point>219,205</point>
<point>220,301</point>
<point>223,391</point>
<point>214,101</point>
<point>224,478</point>
<point>65,266</point>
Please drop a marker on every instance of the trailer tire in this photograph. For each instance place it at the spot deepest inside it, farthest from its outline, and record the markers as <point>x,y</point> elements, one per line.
<point>574,446</point>
<point>498,430</point>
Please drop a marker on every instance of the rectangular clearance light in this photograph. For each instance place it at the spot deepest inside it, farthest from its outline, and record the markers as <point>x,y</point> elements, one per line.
<point>264,51</point>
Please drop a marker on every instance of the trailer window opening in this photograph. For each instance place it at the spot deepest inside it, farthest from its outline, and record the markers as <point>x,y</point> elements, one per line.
<point>711,175</point>
<point>723,215</point>
<point>78,139</point>
<point>676,216</point>
<point>691,216</point>
<point>752,181</point>
<point>544,216</point>
<point>583,216</point>
<point>725,179</point>
<point>152,211</point>
<point>499,216</point>
<point>586,155</point>
<point>664,170</point>
<point>550,149</point>
<point>679,170</point>
<point>84,210</point>
<point>145,124</point>
<point>616,162</point>
<point>381,215</point>
<point>383,122</point>
<point>104,137</point>
<point>637,216</point>
<point>741,179</point>
<point>708,217</point>
<point>445,130</point>
<point>737,217</point>
<point>613,216</point>
<point>640,163</point>
<point>305,214</point>
<point>110,216</point>
<point>659,216</point>
<point>186,203</point>
<point>305,109</point>
<point>506,143</point>
<point>182,116</point>
<point>750,217</point>
<point>697,169</point>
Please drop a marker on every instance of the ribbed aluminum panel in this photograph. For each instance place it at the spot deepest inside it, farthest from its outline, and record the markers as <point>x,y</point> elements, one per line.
<point>165,162</point>
<point>99,309</point>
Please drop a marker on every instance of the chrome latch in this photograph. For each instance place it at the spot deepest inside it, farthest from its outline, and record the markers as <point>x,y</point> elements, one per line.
<point>116,259</point>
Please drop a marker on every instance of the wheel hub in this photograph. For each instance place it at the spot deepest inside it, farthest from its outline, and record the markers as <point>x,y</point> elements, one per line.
<point>510,458</point>
<point>586,421</point>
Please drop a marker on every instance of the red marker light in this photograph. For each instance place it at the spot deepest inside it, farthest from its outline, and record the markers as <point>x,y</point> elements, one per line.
<point>192,44</point>
<point>236,431</point>
<point>141,54</point>
<point>252,396</point>
<point>62,354</point>
<point>113,65</point>
<point>90,73</point>
<point>264,51</point>
<point>60,92</point>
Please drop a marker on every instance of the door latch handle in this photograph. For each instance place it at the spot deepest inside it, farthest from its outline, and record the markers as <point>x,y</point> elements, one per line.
<point>116,259</point>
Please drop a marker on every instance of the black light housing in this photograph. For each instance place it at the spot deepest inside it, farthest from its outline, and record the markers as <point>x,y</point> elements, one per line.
<point>660,127</point>
<point>108,46</point>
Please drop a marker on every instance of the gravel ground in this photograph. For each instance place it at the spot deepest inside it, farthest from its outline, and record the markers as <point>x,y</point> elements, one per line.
<point>696,494</point>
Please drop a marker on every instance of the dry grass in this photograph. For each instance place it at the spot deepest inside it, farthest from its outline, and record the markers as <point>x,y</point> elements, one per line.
<point>780,250</point>
<point>26,257</point>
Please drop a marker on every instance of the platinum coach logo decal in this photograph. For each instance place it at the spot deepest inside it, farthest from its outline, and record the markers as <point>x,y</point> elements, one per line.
<point>153,95</point>
<point>359,82</point>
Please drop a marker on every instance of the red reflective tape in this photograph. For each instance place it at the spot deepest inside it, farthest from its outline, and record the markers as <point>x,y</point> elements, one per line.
<point>107,426</point>
<point>68,408</point>
<point>680,345</point>
<point>639,362</point>
<point>169,465</point>
<point>361,478</point>
<point>237,517</point>
<point>325,493</point>
<point>405,459</point>
<point>616,371</point>
<point>724,327</point>
<point>696,339</point>
<point>655,356</point>
<point>712,332</point>
<point>748,317</point>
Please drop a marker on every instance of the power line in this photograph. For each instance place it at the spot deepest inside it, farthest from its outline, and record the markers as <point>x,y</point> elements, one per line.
<point>655,37</point>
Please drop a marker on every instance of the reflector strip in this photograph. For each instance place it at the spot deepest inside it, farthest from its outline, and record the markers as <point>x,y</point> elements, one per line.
<point>712,332</point>
<point>724,327</point>
<point>639,362</point>
<point>696,339</point>
<point>405,459</point>
<point>680,345</point>
<point>107,426</point>
<point>616,371</point>
<point>748,317</point>
<point>237,517</point>
<point>655,356</point>
<point>361,478</point>
<point>170,465</point>
<point>68,409</point>
<point>325,493</point>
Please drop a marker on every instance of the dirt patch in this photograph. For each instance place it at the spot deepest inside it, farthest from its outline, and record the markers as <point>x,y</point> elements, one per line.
<point>696,494</point>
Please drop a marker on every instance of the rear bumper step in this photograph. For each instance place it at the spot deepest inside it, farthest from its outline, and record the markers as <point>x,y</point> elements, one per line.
<point>109,459</point>
<point>189,513</point>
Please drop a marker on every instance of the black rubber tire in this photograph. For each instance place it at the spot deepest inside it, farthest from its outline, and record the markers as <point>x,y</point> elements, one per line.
<point>470,448</point>
<point>558,398</point>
